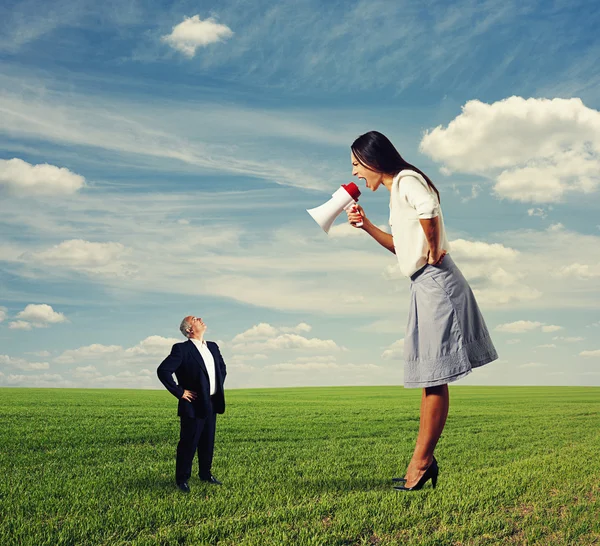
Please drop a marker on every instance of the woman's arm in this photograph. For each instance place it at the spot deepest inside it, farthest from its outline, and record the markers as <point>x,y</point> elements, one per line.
<point>431,227</point>
<point>383,238</point>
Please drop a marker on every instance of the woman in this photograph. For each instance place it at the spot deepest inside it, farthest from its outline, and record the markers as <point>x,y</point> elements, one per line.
<point>446,335</point>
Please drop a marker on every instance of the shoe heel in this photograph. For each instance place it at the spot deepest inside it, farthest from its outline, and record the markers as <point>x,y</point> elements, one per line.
<point>434,478</point>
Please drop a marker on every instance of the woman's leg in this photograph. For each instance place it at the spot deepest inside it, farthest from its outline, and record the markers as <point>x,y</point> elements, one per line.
<point>434,410</point>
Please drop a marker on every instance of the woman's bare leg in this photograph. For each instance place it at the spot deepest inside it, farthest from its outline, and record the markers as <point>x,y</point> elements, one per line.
<point>435,402</point>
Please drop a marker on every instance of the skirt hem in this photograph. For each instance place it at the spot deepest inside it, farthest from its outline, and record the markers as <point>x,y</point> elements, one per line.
<point>436,382</point>
<point>482,361</point>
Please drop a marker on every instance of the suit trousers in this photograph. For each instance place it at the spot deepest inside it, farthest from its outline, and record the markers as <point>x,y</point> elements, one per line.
<point>196,434</point>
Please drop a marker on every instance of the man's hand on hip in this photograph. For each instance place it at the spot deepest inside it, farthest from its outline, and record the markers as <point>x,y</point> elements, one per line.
<point>190,396</point>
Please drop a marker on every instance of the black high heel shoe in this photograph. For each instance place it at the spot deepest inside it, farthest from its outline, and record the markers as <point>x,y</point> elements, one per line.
<point>430,474</point>
<point>403,480</point>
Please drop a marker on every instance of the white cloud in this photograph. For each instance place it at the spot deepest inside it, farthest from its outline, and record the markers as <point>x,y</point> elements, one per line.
<point>540,212</point>
<point>43,354</point>
<point>521,326</point>
<point>239,362</point>
<point>537,149</point>
<point>512,341</point>
<point>299,328</point>
<point>551,328</point>
<point>568,339</point>
<point>86,256</point>
<point>194,32</point>
<point>547,346</point>
<point>384,326</point>
<point>93,351</point>
<point>532,365</point>
<point>36,366</point>
<point>490,271</point>
<point>344,229</point>
<point>23,179</point>
<point>595,353</point>
<point>154,346</point>
<point>86,369</point>
<point>288,342</point>
<point>518,327</point>
<point>40,380</point>
<point>258,331</point>
<point>3,314</point>
<point>319,363</point>
<point>251,357</point>
<point>579,271</point>
<point>22,364</point>
<point>40,316</point>
<point>19,325</point>
<point>478,250</point>
<point>475,189</point>
<point>148,352</point>
<point>265,331</point>
<point>394,351</point>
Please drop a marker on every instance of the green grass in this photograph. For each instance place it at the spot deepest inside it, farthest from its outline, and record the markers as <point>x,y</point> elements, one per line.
<point>301,466</point>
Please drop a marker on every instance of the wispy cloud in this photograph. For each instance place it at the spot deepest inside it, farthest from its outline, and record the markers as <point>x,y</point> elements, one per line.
<point>522,326</point>
<point>229,141</point>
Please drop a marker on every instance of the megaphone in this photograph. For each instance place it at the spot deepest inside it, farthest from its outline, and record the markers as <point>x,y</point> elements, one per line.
<point>343,199</point>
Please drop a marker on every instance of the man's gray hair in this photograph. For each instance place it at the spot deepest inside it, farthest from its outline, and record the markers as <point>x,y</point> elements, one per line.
<point>185,326</point>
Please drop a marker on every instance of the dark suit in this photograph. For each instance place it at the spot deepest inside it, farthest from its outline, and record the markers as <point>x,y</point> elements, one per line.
<point>198,418</point>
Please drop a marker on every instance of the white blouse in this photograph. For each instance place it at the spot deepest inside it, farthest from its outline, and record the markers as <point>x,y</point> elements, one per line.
<point>411,200</point>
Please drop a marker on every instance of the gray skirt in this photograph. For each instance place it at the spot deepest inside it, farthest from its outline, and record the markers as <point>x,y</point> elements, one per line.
<point>446,336</point>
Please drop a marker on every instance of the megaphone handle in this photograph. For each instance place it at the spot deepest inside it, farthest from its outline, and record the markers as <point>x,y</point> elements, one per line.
<point>352,206</point>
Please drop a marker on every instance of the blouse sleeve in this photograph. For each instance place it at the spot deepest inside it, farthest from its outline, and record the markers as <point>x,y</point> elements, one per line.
<point>419,197</point>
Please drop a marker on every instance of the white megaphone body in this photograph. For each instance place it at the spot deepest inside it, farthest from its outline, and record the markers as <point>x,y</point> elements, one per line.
<point>343,199</point>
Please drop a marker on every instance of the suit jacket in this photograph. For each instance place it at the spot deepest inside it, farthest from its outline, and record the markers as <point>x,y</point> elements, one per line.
<point>188,366</point>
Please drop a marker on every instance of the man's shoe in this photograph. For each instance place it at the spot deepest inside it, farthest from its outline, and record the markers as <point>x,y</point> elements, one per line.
<point>212,480</point>
<point>184,487</point>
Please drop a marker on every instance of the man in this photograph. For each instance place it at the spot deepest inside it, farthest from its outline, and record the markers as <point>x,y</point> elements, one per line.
<point>200,371</point>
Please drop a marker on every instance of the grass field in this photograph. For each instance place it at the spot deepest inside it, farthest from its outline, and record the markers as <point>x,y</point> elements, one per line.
<point>301,466</point>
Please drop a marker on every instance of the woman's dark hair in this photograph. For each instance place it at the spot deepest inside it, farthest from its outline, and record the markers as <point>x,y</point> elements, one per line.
<point>375,151</point>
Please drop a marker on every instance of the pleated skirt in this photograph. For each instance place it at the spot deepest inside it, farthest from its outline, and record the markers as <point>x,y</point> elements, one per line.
<point>446,336</point>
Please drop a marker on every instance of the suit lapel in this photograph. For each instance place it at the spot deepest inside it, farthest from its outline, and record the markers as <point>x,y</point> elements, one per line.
<point>196,353</point>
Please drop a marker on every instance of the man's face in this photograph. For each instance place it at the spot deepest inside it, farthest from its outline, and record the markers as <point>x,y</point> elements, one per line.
<point>197,327</point>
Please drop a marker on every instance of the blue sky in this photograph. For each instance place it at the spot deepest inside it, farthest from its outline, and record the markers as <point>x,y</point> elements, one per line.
<point>157,160</point>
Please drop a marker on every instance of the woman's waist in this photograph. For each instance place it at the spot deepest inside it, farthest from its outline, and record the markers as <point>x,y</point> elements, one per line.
<point>429,270</point>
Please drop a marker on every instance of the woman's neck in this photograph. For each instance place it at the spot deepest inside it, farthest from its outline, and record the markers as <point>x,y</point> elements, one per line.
<point>387,180</point>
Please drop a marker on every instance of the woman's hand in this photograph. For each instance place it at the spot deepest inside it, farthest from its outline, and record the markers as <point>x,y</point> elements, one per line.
<point>435,258</point>
<point>356,215</point>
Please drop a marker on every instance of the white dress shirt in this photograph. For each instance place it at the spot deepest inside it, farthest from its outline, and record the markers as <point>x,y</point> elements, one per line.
<point>209,361</point>
<point>411,200</point>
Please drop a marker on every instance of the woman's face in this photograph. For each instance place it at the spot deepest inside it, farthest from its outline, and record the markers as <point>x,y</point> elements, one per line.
<point>372,178</point>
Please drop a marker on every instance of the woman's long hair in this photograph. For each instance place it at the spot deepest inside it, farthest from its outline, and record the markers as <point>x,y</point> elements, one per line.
<point>375,151</point>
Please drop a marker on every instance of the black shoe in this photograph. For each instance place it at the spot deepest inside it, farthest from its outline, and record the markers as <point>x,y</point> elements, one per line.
<point>212,480</point>
<point>401,480</point>
<point>430,474</point>
<point>184,487</point>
